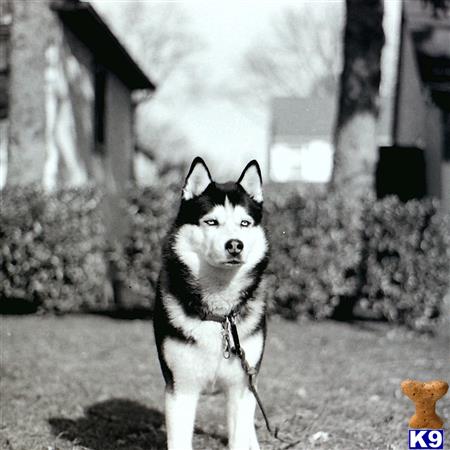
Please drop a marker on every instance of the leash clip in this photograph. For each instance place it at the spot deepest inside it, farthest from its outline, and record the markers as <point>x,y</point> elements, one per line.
<point>226,342</point>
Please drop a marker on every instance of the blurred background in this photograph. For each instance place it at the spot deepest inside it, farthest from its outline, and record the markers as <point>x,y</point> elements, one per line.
<point>104,104</point>
<point>345,104</point>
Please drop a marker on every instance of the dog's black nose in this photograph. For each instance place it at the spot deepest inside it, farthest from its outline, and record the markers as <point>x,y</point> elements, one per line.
<point>234,247</point>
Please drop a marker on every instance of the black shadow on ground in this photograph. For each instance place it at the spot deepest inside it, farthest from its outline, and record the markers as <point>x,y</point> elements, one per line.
<point>113,424</point>
<point>17,306</point>
<point>117,424</point>
<point>126,314</point>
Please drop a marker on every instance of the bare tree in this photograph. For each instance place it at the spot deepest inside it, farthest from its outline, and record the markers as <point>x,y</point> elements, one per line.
<point>159,36</point>
<point>299,54</point>
<point>355,134</point>
<point>355,131</point>
<point>356,153</point>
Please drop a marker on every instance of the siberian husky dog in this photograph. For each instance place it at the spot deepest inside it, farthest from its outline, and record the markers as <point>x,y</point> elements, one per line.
<point>213,262</point>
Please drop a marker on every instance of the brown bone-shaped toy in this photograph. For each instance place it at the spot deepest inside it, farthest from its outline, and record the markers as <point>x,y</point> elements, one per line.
<point>425,395</point>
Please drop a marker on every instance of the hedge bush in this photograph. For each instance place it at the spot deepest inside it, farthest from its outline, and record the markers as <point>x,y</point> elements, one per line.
<point>320,250</point>
<point>152,211</point>
<point>407,261</point>
<point>52,249</point>
<point>396,259</point>
<point>316,252</point>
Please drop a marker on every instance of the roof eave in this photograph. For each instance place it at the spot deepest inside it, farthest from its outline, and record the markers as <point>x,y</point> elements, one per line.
<point>117,58</point>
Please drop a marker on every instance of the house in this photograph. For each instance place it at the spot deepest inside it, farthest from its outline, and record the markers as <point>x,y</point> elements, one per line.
<point>301,147</point>
<point>421,130</point>
<point>413,124</point>
<point>66,97</point>
<point>301,144</point>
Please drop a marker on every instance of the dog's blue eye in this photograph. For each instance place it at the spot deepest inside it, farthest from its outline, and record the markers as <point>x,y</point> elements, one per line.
<point>245,223</point>
<point>212,222</point>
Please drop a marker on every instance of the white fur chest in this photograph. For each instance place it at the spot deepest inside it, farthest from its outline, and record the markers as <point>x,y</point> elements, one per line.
<point>221,301</point>
<point>202,362</point>
<point>197,366</point>
<point>221,291</point>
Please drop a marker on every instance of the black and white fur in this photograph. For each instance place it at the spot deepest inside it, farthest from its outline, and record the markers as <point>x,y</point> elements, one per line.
<point>213,262</point>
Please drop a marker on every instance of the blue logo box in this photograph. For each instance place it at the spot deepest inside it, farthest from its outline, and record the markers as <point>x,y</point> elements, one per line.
<point>425,439</point>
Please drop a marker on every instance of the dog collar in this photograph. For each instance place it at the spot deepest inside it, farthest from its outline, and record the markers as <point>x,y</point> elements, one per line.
<point>218,317</point>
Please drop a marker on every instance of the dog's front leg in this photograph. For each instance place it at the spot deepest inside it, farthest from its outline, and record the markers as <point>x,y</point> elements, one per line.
<point>180,417</point>
<point>241,423</point>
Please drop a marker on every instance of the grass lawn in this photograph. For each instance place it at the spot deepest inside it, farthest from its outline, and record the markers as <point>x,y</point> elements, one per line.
<point>90,382</point>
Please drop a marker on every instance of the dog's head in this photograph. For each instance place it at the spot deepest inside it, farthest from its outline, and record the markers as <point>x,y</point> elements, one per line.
<point>219,224</point>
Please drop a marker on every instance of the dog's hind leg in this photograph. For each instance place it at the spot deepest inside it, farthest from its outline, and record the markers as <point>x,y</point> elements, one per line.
<point>180,417</point>
<point>241,411</point>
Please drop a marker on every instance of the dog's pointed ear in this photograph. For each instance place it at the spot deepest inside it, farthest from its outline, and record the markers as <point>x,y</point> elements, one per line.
<point>197,180</point>
<point>251,181</point>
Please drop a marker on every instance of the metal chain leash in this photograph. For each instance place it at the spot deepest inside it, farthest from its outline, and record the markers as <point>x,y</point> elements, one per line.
<point>251,372</point>
<point>229,327</point>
